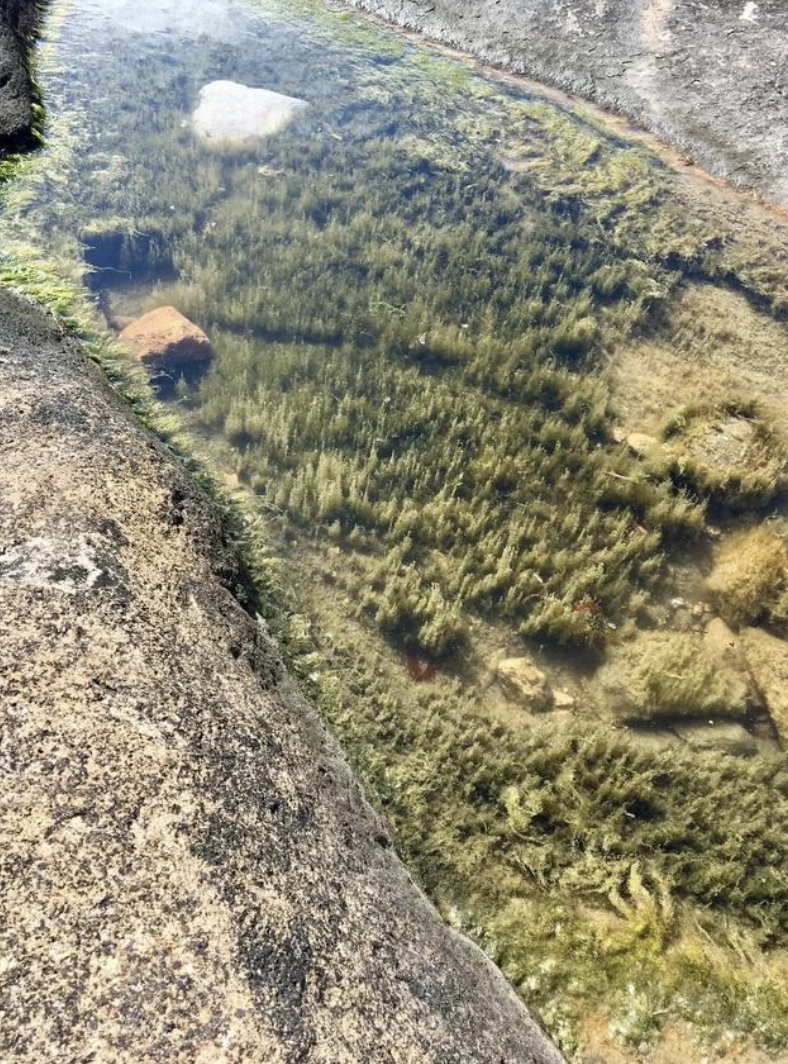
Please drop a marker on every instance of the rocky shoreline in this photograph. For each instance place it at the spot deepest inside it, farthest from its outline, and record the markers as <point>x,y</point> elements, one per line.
<point>189,871</point>
<point>18,21</point>
<point>709,80</point>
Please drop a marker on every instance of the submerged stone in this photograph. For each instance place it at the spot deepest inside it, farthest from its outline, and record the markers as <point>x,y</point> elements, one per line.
<point>164,339</point>
<point>723,443</point>
<point>727,737</point>
<point>563,700</point>
<point>676,675</point>
<point>233,113</point>
<point>641,444</point>
<point>522,681</point>
<point>727,455</point>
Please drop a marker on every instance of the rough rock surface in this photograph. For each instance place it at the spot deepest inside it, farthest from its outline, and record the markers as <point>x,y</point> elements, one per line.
<point>188,872</point>
<point>163,339</point>
<point>17,21</point>
<point>235,114</point>
<point>725,444</point>
<point>525,683</point>
<point>710,78</point>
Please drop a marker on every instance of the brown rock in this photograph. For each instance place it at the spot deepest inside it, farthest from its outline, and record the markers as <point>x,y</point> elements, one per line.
<point>525,683</point>
<point>165,339</point>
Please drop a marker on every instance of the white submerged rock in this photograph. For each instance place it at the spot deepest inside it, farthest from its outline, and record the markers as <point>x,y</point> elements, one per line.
<point>231,113</point>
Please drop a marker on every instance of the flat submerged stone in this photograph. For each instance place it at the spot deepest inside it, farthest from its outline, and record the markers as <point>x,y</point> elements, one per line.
<point>165,339</point>
<point>231,113</point>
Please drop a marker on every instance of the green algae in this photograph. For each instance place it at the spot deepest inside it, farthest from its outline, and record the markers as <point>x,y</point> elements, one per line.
<point>406,269</point>
<point>602,876</point>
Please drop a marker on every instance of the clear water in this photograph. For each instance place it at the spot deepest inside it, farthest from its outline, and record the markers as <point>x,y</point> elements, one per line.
<point>412,294</point>
<point>407,292</point>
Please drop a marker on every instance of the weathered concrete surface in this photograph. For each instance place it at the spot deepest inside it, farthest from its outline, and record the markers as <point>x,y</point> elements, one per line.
<point>17,21</point>
<point>188,872</point>
<point>709,78</point>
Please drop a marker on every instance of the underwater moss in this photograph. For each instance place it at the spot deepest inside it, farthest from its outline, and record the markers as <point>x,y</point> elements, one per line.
<point>748,580</point>
<point>671,676</point>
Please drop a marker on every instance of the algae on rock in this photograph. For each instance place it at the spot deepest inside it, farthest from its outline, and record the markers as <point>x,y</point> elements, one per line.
<point>748,581</point>
<point>675,675</point>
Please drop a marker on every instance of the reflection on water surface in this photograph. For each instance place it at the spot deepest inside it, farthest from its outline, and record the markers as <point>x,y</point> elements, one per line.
<point>223,20</point>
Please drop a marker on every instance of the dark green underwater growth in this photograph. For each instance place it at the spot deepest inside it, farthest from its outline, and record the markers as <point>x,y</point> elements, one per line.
<point>575,809</point>
<point>407,332</point>
<point>527,835</point>
<point>408,291</point>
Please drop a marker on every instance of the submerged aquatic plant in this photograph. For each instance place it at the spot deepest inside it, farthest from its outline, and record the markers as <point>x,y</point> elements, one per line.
<point>592,868</point>
<point>749,580</point>
<point>728,454</point>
